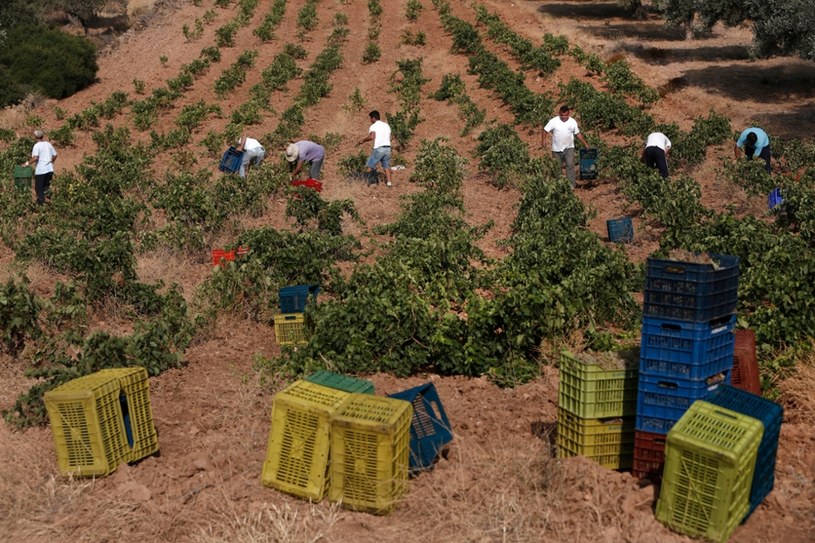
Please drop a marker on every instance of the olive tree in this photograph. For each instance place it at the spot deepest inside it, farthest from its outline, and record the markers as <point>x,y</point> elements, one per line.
<point>779,26</point>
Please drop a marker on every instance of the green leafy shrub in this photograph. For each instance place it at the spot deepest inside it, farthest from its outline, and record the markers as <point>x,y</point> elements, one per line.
<point>47,61</point>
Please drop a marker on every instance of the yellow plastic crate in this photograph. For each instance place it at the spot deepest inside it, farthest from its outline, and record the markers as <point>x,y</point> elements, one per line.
<point>370,451</point>
<point>290,328</point>
<point>137,414</point>
<point>609,442</point>
<point>86,421</point>
<point>593,391</point>
<point>710,458</point>
<point>299,440</point>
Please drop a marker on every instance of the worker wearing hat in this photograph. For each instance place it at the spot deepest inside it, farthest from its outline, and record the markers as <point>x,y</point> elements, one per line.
<point>305,151</point>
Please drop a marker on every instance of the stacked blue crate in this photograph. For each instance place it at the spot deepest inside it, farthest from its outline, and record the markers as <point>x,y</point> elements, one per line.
<point>687,343</point>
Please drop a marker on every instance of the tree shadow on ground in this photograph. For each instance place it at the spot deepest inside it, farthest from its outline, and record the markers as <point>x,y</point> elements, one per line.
<point>586,10</point>
<point>792,81</point>
<point>655,31</point>
<point>798,123</point>
<point>666,55</point>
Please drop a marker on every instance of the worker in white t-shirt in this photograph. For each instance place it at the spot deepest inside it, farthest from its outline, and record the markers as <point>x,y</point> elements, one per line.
<point>563,129</point>
<point>380,133</point>
<point>43,155</point>
<point>655,153</point>
<point>253,153</point>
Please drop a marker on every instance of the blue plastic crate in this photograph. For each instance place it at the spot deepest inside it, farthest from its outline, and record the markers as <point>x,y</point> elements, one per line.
<point>588,163</point>
<point>231,161</point>
<point>686,350</point>
<point>692,291</point>
<point>293,299</point>
<point>620,230</point>
<point>661,401</point>
<point>430,429</point>
<point>774,198</point>
<point>770,414</point>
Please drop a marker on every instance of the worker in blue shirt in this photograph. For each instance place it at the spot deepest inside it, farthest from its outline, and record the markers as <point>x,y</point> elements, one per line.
<point>756,144</point>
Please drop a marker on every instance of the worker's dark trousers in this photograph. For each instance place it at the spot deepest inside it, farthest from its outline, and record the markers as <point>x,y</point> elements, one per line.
<point>749,151</point>
<point>655,158</point>
<point>42,184</point>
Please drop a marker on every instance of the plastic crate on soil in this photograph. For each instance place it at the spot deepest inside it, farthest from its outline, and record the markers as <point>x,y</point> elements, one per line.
<point>691,291</point>
<point>662,401</point>
<point>609,442</point>
<point>745,366</point>
<point>370,449</point>
<point>770,414</point>
<point>430,428</point>
<point>87,425</point>
<point>137,414</point>
<point>290,328</point>
<point>231,161</point>
<point>341,382</point>
<point>300,439</point>
<point>710,458</point>
<point>293,299</point>
<point>620,230</point>
<point>686,350</point>
<point>649,455</point>
<point>592,391</point>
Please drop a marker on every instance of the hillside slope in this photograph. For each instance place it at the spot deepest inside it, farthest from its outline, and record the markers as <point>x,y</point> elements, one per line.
<point>499,481</point>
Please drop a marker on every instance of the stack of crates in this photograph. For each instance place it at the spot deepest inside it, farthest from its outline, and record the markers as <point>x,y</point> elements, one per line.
<point>686,349</point>
<point>352,446</point>
<point>430,429</point>
<point>100,420</point>
<point>290,323</point>
<point>770,414</point>
<point>710,459</point>
<point>597,400</point>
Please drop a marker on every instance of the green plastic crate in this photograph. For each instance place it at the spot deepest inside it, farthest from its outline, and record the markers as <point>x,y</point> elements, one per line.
<point>23,176</point>
<point>592,391</point>
<point>609,442</point>
<point>370,451</point>
<point>87,425</point>
<point>300,439</point>
<point>341,382</point>
<point>710,458</point>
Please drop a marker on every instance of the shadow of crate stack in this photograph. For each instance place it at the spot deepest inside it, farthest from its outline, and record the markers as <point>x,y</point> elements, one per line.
<point>332,436</point>
<point>100,420</point>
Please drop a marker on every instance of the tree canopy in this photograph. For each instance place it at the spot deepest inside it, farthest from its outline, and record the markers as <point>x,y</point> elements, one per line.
<point>779,26</point>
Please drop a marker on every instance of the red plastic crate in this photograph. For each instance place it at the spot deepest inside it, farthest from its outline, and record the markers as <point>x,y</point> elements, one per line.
<point>310,183</point>
<point>219,256</point>
<point>745,366</point>
<point>649,455</point>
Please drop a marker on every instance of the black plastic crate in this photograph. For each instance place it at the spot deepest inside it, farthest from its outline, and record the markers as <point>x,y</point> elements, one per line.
<point>588,163</point>
<point>293,299</point>
<point>692,291</point>
<point>620,230</point>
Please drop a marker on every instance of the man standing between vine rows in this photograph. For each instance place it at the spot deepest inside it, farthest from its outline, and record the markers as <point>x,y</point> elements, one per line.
<point>564,129</point>
<point>44,155</point>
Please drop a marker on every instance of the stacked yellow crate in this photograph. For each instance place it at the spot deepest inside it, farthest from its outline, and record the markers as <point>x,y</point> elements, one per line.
<point>597,404</point>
